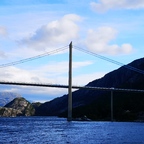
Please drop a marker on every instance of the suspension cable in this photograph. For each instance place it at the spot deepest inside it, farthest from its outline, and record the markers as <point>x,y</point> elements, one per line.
<point>110,60</point>
<point>34,57</point>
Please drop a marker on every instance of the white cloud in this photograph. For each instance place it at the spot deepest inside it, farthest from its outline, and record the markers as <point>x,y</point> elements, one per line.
<point>99,41</point>
<point>49,73</point>
<point>52,73</point>
<point>20,75</point>
<point>16,74</point>
<point>3,31</point>
<point>57,32</point>
<point>57,73</point>
<point>104,5</point>
<point>2,54</point>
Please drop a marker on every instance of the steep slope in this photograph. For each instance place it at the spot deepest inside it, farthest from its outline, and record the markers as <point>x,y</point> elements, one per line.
<point>120,78</point>
<point>24,107</point>
<point>6,97</point>
<point>9,112</point>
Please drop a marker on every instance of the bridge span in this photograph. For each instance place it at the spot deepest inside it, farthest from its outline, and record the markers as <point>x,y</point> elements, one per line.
<point>70,86</point>
<point>111,89</point>
<point>73,87</point>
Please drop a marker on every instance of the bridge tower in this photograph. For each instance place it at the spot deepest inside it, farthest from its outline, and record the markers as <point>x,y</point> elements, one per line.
<point>69,118</point>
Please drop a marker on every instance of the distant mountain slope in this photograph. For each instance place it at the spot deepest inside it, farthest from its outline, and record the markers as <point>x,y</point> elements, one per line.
<point>6,97</point>
<point>120,78</point>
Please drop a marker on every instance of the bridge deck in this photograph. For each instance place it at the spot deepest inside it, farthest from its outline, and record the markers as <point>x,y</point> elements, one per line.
<point>74,87</point>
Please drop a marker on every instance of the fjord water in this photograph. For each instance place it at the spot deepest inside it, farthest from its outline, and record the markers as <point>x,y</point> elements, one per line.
<point>53,130</point>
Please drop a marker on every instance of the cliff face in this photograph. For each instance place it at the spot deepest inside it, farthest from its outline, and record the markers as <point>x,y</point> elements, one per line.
<point>9,112</point>
<point>120,78</point>
<point>17,107</point>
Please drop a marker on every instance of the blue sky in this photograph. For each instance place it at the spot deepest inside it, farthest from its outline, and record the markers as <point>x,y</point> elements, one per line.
<point>28,28</point>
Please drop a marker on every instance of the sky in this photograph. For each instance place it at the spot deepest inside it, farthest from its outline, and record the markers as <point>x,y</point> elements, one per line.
<point>29,28</point>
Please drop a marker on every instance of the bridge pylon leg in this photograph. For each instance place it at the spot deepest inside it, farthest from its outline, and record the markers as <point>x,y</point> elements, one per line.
<point>69,118</point>
<point>111,105</point>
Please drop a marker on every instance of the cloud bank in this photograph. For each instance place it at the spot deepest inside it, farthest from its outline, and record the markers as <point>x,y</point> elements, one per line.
<point>104,5</point>
<point>3,31</point>
<point>99,41</point>
<point>66,29</point>
<point>51,73</point>
<point>57,32</point>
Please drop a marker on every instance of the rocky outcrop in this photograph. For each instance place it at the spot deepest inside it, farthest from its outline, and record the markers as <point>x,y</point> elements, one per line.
<point>17,107</point>
<point>9,112</point>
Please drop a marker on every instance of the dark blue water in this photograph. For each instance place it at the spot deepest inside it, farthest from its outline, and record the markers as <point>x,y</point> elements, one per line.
<point>52,130</point>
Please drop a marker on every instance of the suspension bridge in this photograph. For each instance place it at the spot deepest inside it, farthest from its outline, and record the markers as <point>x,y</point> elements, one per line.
<point>70,86</point>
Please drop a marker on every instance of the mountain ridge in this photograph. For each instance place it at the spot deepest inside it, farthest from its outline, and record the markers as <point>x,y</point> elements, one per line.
<point>119,78</point>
